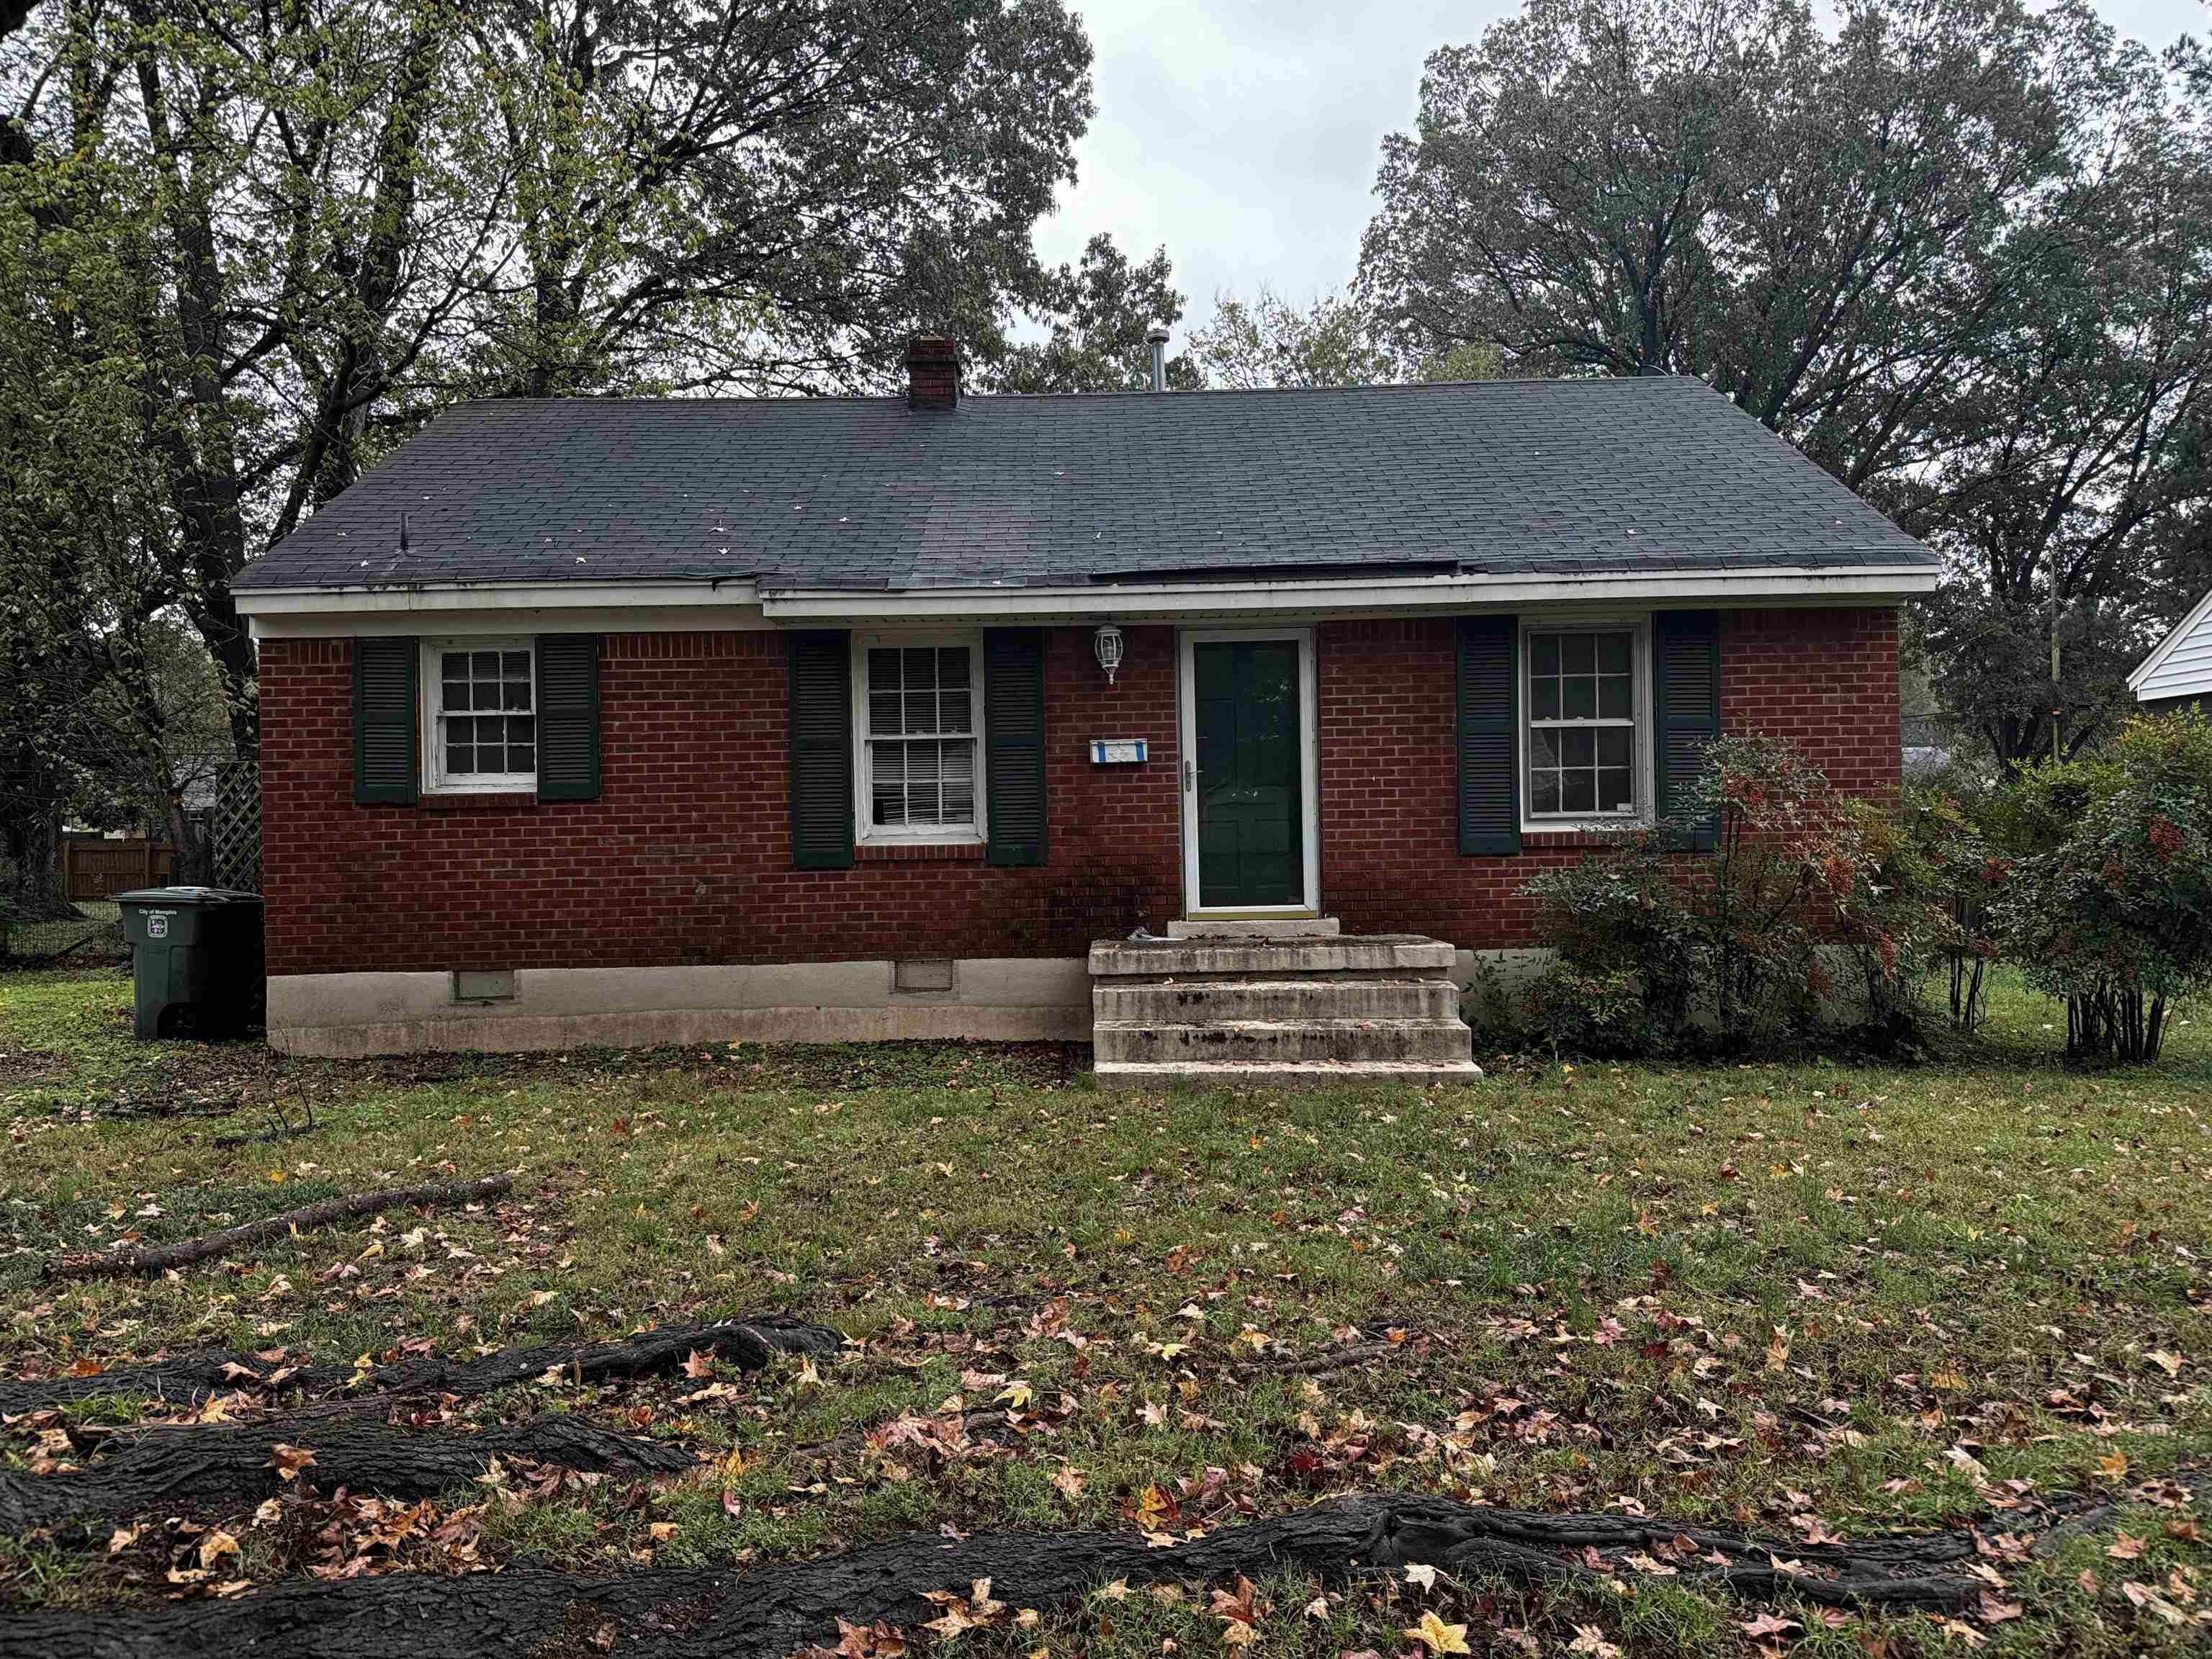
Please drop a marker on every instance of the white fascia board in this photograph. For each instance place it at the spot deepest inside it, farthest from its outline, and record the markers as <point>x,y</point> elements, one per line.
<point>491,596</point>
<point>1326,598</point>
<point>275,612</point>
<point>531,607</point>
<point>2182,629</point>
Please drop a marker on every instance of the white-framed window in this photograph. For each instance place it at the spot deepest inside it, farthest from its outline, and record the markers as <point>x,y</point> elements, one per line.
<point>918,733</point>
<point>479,715</point>
<point>1586,722</point>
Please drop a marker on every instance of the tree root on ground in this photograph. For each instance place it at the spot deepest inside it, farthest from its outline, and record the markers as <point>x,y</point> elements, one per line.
<point>1332,1359</point>
<point>222,1468</point>
<point>763,1612</point>
<point>159,1258</point>
<point>746,1344</point>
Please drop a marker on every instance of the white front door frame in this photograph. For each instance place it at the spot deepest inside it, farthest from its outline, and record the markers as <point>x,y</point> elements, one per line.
<point>1308,763</point>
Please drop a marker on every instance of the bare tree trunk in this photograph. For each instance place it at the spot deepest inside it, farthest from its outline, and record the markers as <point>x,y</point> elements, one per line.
<point>192,858</point>
<point>34,847</point>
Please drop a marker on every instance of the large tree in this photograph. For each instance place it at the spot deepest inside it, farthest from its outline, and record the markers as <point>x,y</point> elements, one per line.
<point>81,515</point>
<point>356,211</point>
<point>1095,317</point>
<point>1950,247</point>
<point>1335,340</point>
<point>302,229</point>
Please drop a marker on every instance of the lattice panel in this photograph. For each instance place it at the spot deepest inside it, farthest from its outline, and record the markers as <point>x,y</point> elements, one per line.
<point>234,828</point>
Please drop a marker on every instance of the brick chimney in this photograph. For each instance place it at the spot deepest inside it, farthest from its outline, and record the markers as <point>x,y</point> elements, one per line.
<point>933,373</point>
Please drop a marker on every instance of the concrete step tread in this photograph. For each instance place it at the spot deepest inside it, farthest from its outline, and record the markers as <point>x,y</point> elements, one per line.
<point>1280,982</point>
<point>1384,952</point>
<point>1316,1023</point>
<point>1291,1073</point>
<point>1256,928</point>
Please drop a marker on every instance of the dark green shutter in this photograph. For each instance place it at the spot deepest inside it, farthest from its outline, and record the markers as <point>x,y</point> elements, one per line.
<point>385,751</point>
<point>822,751</point>
<point>1013,745</point>
<point>1687,676</point>
<point>1489,699</point>
<point>568,717</point>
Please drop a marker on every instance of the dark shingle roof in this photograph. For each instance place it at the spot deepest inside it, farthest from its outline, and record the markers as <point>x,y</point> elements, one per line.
<point>1529,477</point>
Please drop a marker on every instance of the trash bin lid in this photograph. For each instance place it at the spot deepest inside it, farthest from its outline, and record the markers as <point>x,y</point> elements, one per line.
<point>183,897</point>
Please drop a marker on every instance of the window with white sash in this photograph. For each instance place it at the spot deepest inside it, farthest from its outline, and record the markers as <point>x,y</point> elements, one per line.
<point>920,734</point>
<point>1585,709</point>
<point>479,715</point>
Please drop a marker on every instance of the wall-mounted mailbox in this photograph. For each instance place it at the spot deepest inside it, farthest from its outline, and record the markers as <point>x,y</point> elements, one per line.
<point>1117,751</point>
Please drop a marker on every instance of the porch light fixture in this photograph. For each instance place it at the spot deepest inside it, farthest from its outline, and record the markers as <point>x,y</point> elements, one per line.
<point>1107,642</point>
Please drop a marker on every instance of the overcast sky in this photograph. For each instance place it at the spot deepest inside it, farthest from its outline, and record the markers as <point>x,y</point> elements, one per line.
<point>1244,134</point>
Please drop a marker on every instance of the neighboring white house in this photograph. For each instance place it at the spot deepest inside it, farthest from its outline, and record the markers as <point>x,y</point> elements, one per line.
<point>2180,670</point>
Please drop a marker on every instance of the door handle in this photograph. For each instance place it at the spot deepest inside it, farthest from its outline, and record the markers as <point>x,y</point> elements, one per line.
<point>1189,777</point>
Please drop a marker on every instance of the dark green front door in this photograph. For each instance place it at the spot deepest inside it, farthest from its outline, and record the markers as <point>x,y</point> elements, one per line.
<point>1251,840</point>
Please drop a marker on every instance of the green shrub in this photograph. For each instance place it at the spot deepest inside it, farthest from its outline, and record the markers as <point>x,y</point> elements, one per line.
<point>1960,873</point>
<point>2107,902</point>
<point>1907,912</point>
<point>1599,1012</point>
<point>1726,949</point>
<point>1491,1008</point>
<point>1619,927</point>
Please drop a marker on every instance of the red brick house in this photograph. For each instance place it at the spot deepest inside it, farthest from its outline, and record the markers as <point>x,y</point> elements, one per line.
<point>821,719</point>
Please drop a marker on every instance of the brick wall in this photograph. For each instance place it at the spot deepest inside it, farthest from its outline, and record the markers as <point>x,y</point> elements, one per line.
<point>686,857</point>
<point>1825,679</point>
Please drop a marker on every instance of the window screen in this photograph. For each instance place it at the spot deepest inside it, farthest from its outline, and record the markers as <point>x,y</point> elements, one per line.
<point>487,718</point>
<point>921,737</point>
<point>1582,724</point>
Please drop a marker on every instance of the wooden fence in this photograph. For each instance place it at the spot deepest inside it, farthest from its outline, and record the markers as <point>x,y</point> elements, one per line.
<point>99,869</point>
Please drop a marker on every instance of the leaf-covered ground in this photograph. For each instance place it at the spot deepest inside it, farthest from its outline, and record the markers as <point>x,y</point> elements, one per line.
<point>1809,1301</point>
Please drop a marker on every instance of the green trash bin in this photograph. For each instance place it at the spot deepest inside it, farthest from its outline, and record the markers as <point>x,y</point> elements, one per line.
<point>195,959</point>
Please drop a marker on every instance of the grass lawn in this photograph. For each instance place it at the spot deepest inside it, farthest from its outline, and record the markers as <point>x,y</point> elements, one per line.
<point>1809,1301</point>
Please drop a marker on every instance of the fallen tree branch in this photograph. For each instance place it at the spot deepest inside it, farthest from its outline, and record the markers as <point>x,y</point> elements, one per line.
<point>746,1344</point>
<point>222,1468</point>
<point>1336,1359</point>
<point>768,1610</point>
<point>117,1264</point>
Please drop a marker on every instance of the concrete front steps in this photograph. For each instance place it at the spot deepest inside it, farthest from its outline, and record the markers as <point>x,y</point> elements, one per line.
<point>1276,1003</point>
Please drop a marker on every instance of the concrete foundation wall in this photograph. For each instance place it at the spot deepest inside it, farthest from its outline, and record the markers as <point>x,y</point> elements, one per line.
<point>993,998</point>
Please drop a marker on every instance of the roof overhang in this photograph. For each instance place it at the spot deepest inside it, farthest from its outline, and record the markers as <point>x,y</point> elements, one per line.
<point>1377,595</point>
<point>491,596</point>
<point>2165,648</point>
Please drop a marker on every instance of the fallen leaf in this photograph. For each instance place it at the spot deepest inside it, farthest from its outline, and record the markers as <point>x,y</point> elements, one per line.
<point>289,1460</point>
<point>1436,1636</point>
